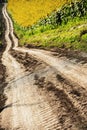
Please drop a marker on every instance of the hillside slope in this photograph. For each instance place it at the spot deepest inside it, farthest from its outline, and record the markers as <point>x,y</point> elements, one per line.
<point>61,24</point>
<point>27,12</point>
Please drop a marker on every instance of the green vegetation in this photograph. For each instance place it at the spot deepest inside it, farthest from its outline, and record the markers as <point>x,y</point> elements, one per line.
<point>63,28</point>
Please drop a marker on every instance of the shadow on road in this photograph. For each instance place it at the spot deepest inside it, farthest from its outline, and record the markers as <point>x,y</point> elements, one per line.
<point>19,105</point>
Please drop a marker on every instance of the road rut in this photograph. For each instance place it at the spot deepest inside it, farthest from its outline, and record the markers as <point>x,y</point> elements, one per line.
<point>46,98</point>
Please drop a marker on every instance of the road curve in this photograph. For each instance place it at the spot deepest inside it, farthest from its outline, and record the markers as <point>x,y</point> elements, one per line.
<point>74,72</point>
<point>27,109</point>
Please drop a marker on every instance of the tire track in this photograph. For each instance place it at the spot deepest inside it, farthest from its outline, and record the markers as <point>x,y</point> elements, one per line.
<point>71,71</point>
<point>24,105</point>
<point>58,105</point>
<point>69,113</point>
<point>66,92</point>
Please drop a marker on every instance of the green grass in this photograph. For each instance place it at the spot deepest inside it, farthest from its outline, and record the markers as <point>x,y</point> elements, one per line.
<point>64,36</point>
<point>84,38</point>
<point>67,31</point>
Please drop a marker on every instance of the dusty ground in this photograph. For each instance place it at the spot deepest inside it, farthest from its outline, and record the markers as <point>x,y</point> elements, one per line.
<point>70,54</point>
<point>2,70</point>
<point>78,56</point>
<point>28,61</point>
<point>2,83</point>
<point>45,90</point>
<point>66,98</point>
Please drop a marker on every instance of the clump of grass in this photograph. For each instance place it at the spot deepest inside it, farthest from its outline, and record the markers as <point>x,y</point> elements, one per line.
<point>84,38</point>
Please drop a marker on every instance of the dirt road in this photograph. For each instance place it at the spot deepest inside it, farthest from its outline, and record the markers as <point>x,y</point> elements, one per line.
<point>44,92</point>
